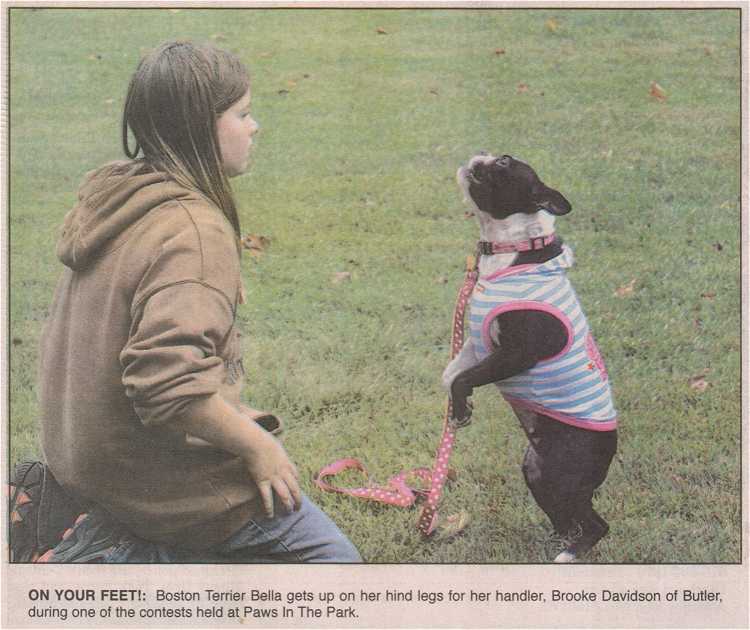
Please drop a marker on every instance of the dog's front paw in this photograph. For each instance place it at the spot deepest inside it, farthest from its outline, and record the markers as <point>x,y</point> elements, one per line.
<point>462,418</point>
<point>461,406</point>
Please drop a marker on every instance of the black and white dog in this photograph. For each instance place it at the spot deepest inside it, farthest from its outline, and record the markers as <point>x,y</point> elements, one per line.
<point>529,336</point>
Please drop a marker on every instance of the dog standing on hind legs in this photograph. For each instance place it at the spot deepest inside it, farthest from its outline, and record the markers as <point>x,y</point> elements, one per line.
<point>529,336</point>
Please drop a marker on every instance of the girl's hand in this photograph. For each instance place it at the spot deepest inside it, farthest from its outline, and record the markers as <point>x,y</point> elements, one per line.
<point>217,422</point>
<point>273,472</point>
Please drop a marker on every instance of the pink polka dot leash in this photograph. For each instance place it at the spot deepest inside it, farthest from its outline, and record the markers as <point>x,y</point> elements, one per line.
<point>398,491</point>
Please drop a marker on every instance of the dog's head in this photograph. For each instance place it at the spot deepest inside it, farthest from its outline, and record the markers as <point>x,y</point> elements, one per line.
<point>502,186</point>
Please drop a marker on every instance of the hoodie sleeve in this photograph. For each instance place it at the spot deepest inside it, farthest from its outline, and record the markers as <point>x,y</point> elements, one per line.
<point>173,354</point>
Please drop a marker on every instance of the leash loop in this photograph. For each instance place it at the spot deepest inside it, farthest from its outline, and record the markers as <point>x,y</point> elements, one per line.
<point>397,491</point>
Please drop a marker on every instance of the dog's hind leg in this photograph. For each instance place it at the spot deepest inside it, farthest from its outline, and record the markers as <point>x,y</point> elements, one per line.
<point>562,468</point>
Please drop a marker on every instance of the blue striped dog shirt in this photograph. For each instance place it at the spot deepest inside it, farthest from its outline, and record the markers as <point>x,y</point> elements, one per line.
<point>573,386</point>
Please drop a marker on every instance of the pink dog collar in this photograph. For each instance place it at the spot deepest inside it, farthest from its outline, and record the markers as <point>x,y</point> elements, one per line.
<point>488,248</point>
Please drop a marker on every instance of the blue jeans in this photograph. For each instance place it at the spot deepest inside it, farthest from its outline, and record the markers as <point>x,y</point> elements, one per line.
<point>307,535</point>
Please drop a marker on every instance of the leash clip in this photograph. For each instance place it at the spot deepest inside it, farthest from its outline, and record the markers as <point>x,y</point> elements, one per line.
<point>484,248</point>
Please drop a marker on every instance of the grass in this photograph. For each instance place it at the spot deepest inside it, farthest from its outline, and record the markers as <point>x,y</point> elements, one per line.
<point>362,133</point>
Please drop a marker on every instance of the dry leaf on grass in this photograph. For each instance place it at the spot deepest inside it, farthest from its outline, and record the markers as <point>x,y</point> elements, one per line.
<point>468,214</point>
<point>381,31</point>
<point>522,88</point>
<point>341,276</point>
<point>708,295</point>
<point>499,51</point>
<point>626,289</point>
<point>453,525</point>
<point>552,25</point>
<point>657,91</point>
<point>256,244</point>
<point>698,383</point>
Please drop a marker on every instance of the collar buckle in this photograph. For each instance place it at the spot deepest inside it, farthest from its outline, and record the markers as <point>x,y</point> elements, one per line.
<point>540,242</point>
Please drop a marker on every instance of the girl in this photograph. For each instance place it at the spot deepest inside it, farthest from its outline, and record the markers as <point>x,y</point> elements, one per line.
<point>141,364</point>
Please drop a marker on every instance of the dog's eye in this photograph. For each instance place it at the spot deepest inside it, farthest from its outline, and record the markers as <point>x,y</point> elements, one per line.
<point>477,172</point>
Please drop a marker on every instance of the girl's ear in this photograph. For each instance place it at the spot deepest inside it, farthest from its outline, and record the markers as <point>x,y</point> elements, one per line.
<point>550,200</point>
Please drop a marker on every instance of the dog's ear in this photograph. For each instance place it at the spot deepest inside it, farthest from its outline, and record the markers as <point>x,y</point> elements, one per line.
<point>550,200</point>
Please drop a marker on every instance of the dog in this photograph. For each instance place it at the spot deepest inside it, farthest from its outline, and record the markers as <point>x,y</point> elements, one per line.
<point>529,336</point>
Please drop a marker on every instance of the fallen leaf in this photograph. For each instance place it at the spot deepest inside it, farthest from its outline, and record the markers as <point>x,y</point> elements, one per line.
<point>522,88</point>
<point>698,383</point>
<point>256,244</point>
<point>657,91</point>
<point>341,276</point>
<point>381,31</point>
<point>441,280</point>
<point>218,37</point>
<point>453,524</point>
<point>266,55</point>
<point>708,295</point>
<point>109,101</point>
<point>552,25</point>
<point>499,51</point>
<point>434,91</point>
<point>291,84</point>
<point>468,214</point>
<point>708,51</point>
<point>626,289</point>
<point>718,247</point>
<point>283,91</point>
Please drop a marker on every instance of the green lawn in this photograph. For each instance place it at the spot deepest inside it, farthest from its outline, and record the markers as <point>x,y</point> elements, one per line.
<point>362,132</point>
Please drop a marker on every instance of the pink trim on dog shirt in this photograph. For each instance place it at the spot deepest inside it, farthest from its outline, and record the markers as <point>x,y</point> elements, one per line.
<point>528,306</point>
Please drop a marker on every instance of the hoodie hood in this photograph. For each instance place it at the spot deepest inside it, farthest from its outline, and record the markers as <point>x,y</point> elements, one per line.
<point>110,200</point>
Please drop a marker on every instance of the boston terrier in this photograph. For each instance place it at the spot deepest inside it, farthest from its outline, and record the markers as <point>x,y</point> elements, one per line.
<point>530,337</point>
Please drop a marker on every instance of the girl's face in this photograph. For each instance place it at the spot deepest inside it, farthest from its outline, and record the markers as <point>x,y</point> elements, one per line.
<point>235,130</point>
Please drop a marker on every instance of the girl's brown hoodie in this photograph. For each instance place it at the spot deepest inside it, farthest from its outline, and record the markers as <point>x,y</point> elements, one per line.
<point>142,323</point>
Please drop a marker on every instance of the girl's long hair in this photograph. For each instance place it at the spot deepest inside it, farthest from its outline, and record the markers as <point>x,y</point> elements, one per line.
<point>174,99</point>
